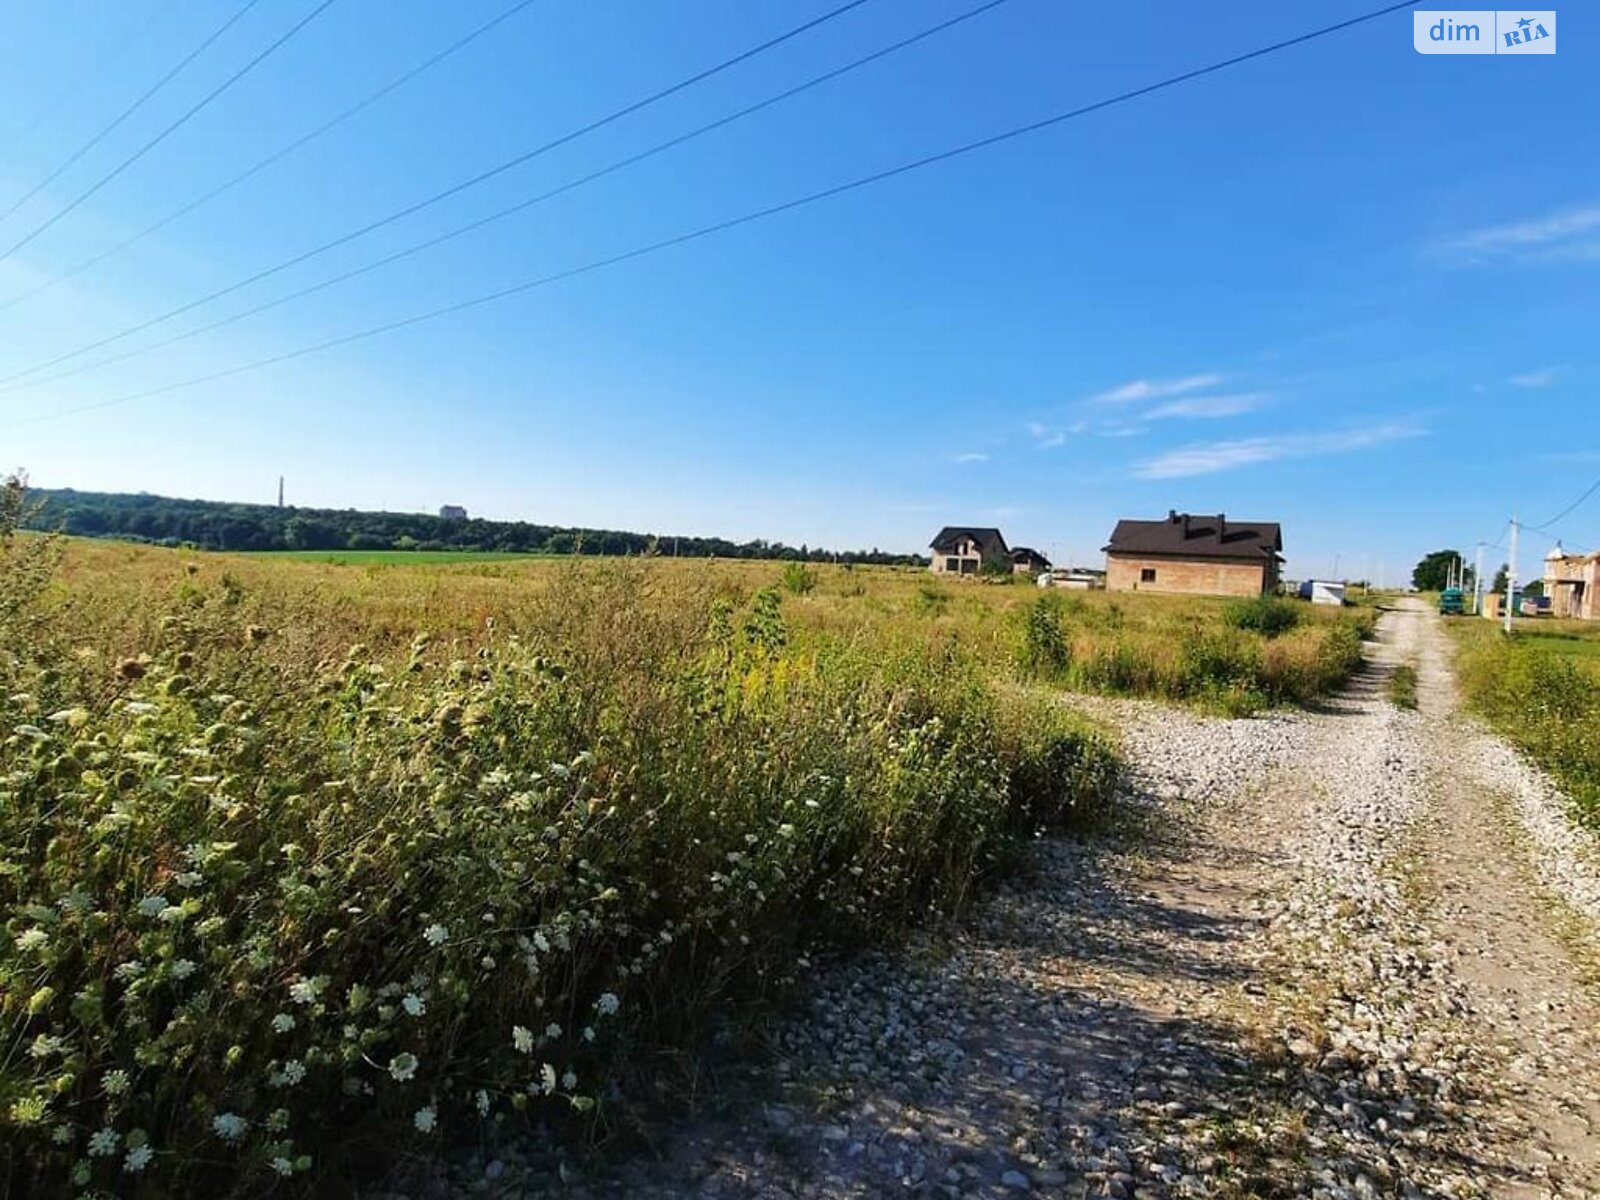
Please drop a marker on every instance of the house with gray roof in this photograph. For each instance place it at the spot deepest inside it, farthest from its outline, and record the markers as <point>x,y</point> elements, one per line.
<point>1194,554</point>
<point>969,549</point>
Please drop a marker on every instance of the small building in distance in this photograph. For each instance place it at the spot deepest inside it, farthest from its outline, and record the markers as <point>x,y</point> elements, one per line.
<point>1572,581</point>
<point>1195,555</point>
<point>452,512</point>
<point>968,549</point>
<point>1322,591</point>
<point>1025,560</point>
<point>1082,579</point>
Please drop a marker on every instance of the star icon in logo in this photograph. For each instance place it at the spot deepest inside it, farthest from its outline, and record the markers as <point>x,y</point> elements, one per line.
<point>1525,22</point>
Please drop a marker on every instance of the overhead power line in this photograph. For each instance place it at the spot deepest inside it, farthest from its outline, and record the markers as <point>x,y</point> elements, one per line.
<point>74,84</point>
<point>170,129</point>
<point>1568,510</point>
<point>250,172</point>
<point>453,190</point>
<point>520,206</point>
<point>722,226</point>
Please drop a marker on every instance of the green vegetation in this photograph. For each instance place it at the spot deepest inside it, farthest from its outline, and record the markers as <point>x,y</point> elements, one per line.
<point>310,866</point>
<point>1432,573</point>
<point>1234,656</point>
<point>1403,686</point>
<point>212,525</point>
<point>1541,689</point>
<point>398,558</point>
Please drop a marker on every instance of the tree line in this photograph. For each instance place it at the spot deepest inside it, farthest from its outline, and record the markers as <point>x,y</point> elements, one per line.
<point>218,525</point>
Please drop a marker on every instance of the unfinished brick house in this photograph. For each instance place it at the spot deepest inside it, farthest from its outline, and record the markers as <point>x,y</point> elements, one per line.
<point>969,549</point>
<point>1197,555</point>
<point>1572,581</point>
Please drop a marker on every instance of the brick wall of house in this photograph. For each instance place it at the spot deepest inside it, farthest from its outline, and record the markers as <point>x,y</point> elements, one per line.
<point>1196,577</point>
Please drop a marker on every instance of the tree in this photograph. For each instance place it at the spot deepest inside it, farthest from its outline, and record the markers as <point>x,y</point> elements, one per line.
<point>1501,577</point>
<point>1432,574</point>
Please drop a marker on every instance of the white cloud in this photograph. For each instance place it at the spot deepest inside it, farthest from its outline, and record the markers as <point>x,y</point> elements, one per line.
<point>1208,406</point>
<point>1536,379</point>
<point>1557,237</point>
<point>1044,437</point>
<point>971,458</point>
<point>1155,389</point>
<point>1206,458</point>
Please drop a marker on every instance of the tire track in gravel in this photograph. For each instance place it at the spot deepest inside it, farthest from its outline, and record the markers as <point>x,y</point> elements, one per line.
<point>1309,964</point>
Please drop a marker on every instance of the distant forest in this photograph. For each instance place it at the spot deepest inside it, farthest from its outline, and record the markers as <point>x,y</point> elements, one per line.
<point>213,525</point>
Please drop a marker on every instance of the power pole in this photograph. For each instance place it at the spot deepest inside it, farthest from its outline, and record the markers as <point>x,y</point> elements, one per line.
<point>1477,584</point>
<point>1511,574</point>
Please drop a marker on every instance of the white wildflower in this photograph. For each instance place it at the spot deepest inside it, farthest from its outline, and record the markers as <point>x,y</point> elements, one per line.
<point>588,1033</point>
<point>425,1119</point>
<point>522,1039</point>
<point>182,968</point>
<point>278,1120</point>
<point>569,1080</point>
<point>403,1066</point>
<point>282,1023</point>
<point>436,935</point>
<point>103,1144</point>
<point>608,1004</point>
<point>552,1031</point>
<point>414,1005</point>
<point>547,1078</point>
<point>75,901</point>
<point>229,1126</point>
<point>140,708</point>
<point>483,1103</point>
<point>283,1166</point>
<point>541,942</point>
<point>293,1072</point>
<point>188,879</point>
<point>138,1159</point>
<point>131,969</point>
<point>32,939</point>
<point>46,1045</point>
<point>153,906</point>
<point>116,1082</point>
<point>61,1134</point>
<point>306,991</point>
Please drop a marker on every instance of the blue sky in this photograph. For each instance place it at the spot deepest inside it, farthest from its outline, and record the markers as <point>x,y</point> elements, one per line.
<point>1346,287</point>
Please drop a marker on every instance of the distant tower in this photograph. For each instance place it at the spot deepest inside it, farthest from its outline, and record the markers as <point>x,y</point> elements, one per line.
<point>280,491</point>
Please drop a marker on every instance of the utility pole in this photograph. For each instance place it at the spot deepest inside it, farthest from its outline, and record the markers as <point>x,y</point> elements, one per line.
<point>1511,574</point>
<point>1477,583</point>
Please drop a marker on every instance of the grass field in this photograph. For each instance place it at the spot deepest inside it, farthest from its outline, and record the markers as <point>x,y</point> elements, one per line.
<point>408,558</point>
<point>312,862</point>
<point>1541,688</point>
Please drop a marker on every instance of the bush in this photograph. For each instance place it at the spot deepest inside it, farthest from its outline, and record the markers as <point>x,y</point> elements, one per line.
<point>1267,615</point>
<point>272,914</point>
<point>798,579</point>
<point>1044,651</point>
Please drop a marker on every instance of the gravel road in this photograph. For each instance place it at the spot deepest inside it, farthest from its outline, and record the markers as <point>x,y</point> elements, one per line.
<point>1332,954</point>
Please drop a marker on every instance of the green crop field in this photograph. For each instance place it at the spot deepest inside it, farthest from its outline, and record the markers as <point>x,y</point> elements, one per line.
<point>307,862</point>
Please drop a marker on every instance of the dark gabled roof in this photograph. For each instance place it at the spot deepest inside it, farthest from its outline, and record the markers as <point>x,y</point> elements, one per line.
<point>1188,535</point>
<point>1027,554</point>
<point>990,543</point>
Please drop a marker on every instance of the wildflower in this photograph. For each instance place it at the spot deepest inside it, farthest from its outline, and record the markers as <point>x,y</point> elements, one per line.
<point>116,1082</point>
<point>588,1033</point>
<point>552,1031</point>
<point>153,906</point>
<point>229,1126</point>
<point>278,1120</point>
<point>547,1078</point>
<point>403,1066</point>
<point>72,717</point>
<point>32,939</point>
<point>46,1045</point>
<point>414,1005</point>
<point>283,1166</point>
<point>436,935</point>
<point>282,1023</point>
<point>188,879</point>
<point>483,1103</point>
<point>182,968</point>
<point>541,942</point>
<point>104,1143</point>
<point>138,1159</point>
<point>608,1004</point>
<point>293,1072</point>
<point>129,970</point>
<point>785,830</point>
<point>61,1134</point>
<point>425,1119</point>
<point>306,991</point>
<point>569,1080</point>
<point>174,915</point>
<point>522,1039</point>
<point>75,901</point>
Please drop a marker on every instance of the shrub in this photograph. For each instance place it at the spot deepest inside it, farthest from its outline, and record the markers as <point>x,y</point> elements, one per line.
<point>1266,615</point>
<point>1044,651</point>
<point>798,579</point>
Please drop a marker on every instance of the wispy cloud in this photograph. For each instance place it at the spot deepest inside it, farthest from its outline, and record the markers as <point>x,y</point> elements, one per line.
<point>1155,389</point>
<point>1208,406</point>
<point>1536,379</point>
<point>1572,235</point>
<point>971,458</point>
<point>1207,458</point>
<point>1044,437</point>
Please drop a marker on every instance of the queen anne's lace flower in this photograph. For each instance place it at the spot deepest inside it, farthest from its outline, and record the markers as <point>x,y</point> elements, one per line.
<point>403,1066</point>
<point>116,1082</point>
<point>282,1023</point>
<point>522,1039</point>
<point>138,1159</point>
<point>153,906</point>
<point>103,1143</point>
<point>608,1004</point>
<point>436,935</point>
<point>32,939</point>
<point>414,1005</point>
<point>283,1166</point>
<point>229,1126</point>
<point>425,1119</point>
<point>182,968</point>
